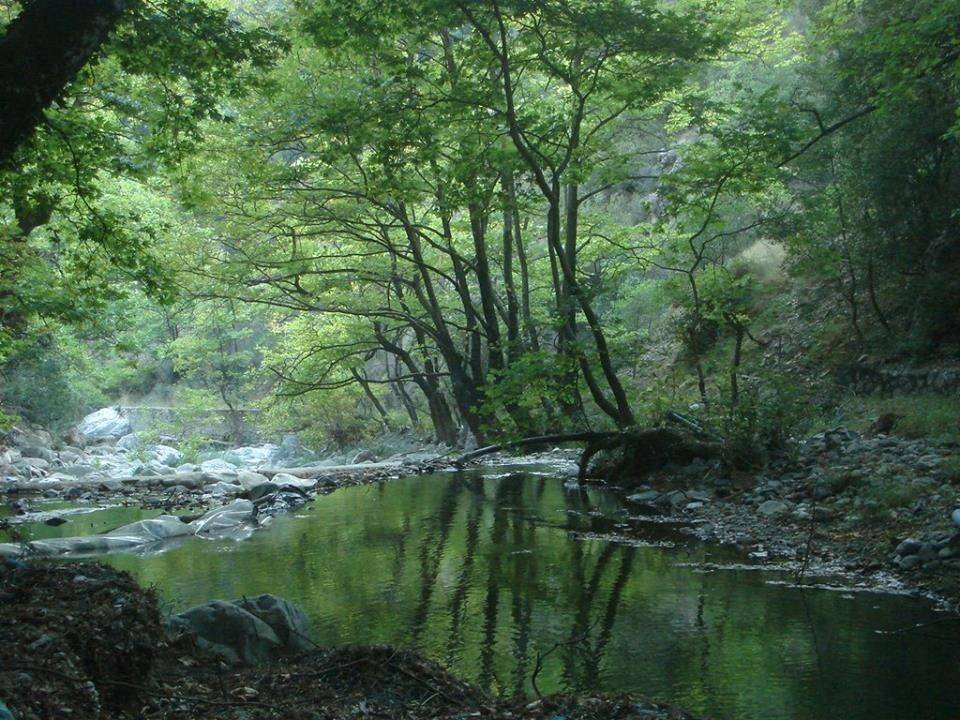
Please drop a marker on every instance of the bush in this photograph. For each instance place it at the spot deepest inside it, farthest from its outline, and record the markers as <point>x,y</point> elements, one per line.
<point>771,414</point>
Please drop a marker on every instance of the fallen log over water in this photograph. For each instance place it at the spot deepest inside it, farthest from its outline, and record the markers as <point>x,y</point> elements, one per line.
<point>633,451</point>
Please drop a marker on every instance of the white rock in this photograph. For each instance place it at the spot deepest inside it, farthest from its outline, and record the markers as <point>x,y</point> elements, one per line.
<point>166,455</point>
<point>249,479</point>
<point>104,424</point>
<point>250,456</point>
<point>223,489</point>
<point>287,480</point>
<point>130,441</point>
<point>218,466</point>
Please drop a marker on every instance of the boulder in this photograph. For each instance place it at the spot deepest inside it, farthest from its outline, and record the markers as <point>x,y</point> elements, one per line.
<point>250,456</point>
<point>229,631</point>
<point>70,455</point>
<point>250,480</point>
<point>218,466</point>
<point>910,546</point>
<point>771,508</point>
<point>283,480</point>
<point>364,456</point>
<point>130,441</point>
<point>38,451</point>
<point>250,631</point>
<point>233,520</point>
<point>22,437</point>
<point>287,620</point>
<point>223,489</point>
<point>290,453</point>
<point>104,424</point>
<point>166,455</point>
<point>28,464</point>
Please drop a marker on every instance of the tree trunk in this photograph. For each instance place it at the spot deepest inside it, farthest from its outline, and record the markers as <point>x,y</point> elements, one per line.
<point>43,49</point>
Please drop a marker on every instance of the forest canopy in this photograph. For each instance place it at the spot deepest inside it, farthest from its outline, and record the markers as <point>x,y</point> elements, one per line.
<point>476,220</point>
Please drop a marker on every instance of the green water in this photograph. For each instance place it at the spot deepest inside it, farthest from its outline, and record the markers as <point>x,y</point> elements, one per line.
<point>482,574</point>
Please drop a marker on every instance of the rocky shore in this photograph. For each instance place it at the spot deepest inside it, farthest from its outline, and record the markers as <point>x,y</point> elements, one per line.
<point>880,509</point>
<point>230,493</point>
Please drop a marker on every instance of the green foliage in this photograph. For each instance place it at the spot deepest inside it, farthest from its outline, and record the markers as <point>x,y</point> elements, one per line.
<point>922,415</point>
<point>772,412</point>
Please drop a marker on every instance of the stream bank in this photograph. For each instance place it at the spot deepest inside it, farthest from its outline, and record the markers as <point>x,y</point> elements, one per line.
<point>87,642</point>
<point>878,508</point>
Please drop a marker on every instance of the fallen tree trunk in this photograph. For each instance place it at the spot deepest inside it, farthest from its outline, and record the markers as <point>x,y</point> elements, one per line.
<point>638,451</point>
<point>536,440</point>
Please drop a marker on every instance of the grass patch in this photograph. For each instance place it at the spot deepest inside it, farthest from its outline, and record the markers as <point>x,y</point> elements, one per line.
<point>935,417</point>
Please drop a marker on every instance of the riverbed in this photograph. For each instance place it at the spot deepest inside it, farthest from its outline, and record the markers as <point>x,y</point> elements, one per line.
<point>509,579</point>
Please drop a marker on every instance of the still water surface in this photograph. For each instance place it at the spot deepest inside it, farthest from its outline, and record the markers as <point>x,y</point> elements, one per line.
<point>483,572</point>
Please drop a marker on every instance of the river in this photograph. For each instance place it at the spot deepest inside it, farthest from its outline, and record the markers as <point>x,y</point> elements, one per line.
<point>496,572</point>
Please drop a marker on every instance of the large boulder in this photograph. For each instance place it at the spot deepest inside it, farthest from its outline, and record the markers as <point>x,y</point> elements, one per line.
<point>250,456</point>
<point>23,437</point>
<point>233,520</point>
<point>287,480</point>
<point>130,441</point>
<point>250,480</point>
<point>166,455</point>
<point>290,453</point>
<point>104,424</point>
<point>287,620</point>
<point>218,466</point>
<point>250,631</point>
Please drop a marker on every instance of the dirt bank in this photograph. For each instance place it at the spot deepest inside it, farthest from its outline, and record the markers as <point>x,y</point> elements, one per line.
<point>85,642</point>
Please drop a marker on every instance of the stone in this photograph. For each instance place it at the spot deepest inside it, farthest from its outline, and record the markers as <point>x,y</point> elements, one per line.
<point>250,456</point>
<point>130,441</point>
<point>218,466</point>
<point>955,516</point>
<point>927,552</point>
<point>290,452</point>
<point>38,451</point>
<point>249,631</point>
<point>76,470</point>
<point>287,480</point>
<point>771,508</point>
<point>645,497</point>
<point>262,490</point>
<point>26,436</point>
<point>908,547</point>
<point>364,456</point>
<point>250,480</point>
<point>29,463</point>
<point>166,455</point>
<point>231,632</point>
<point>233,520</point>
<point>104,424</point>
<point>285,618</point>
<point>909,562</point>
<point>69,455</point>
<point>223,489</point>
<point>821,492</point>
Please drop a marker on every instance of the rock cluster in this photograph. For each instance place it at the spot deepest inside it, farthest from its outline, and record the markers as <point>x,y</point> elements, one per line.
<point>249,631</point>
